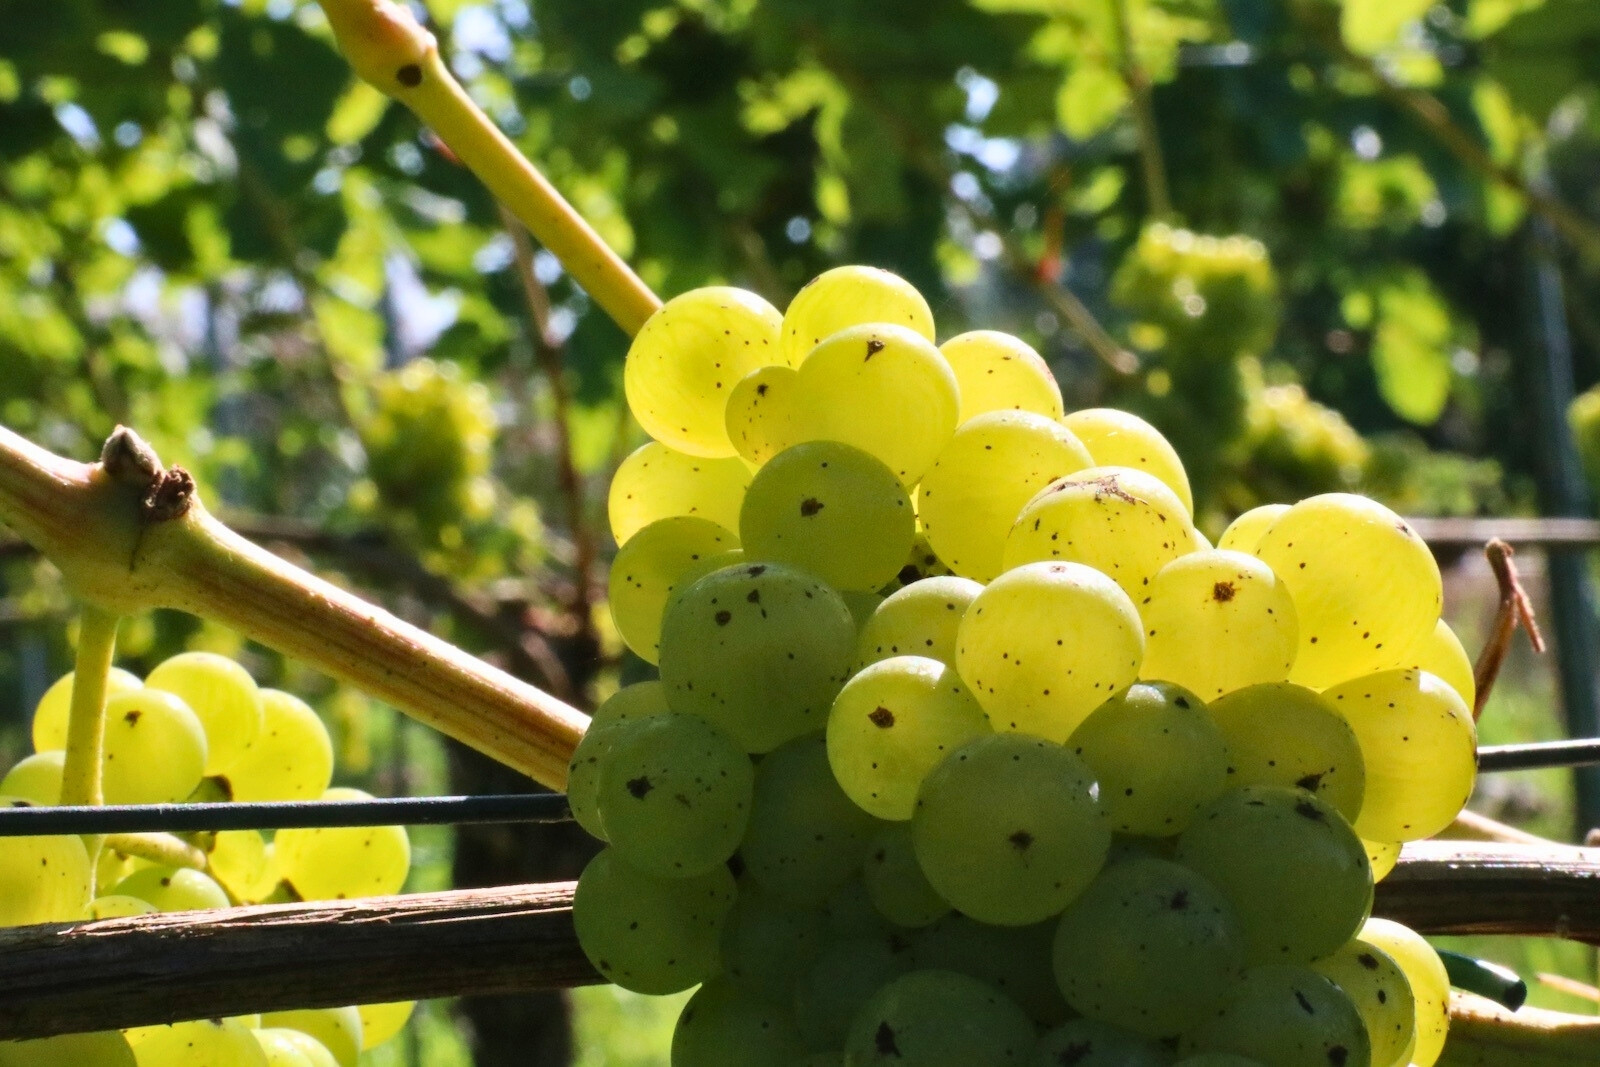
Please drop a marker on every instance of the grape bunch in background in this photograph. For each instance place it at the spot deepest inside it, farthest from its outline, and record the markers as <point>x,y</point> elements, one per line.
<point>198,728</point>
<point>968,748</point>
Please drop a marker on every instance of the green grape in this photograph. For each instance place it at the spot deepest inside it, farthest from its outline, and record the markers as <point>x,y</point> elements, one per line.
<point>831,510</point>
<point>290,759</point>
<point>1150,946</point>
<point>1013,959</point>
<point>1158,756</point>
<point>892,724</point>
<point>727,1025</point>
<point>895,882</point>
<point>764,414</point>
<point>849,296</point>
<point>660,558</point>
<point>650,935</point>
<point>674,795</point>
<point>221,694</point>
<point>1045,644</point>
<point>50,718</point>
<point>1216,621</point>
<point>628,704</point>
<point>36,779</point>
<point>1287,1016</point>
<point>1091,1043</point>
<point>768,943</point>
<point>999,372</point>
<point>1280,733</point>
<point>805,838</point>
<point>1245,532</point>
<point>1295,872</point>
<point>843,978</point>
<point>155,748</point>
<point>939,1019</point>
<point>1366,589</point>
<point>1120,521</point>
<point>1218,1059</point>
<point>1441,654</point>
<point>688,357</point>
<point>1009,829</point>
<point>1383,855</point>
<point>920,619</point>
<point>1121,439</point>
<point>117,906</point>
<point>204,1043</point>
<point>380,1022</point>
<point>656,482</point>
<point>42,879</point>
<point>336,1029</point>
<point>1377,986</point>
<point>983,478</point>
<point>291,1048</point>
<point>344,862</point>
<point>1420,747</point>
<point>106,1048</point>
<point>861,606</point>
<point>849,910</point>
<point>758,650</point>
<point>883,389</point>
<point>1429,982</point>
<point>173,889</point>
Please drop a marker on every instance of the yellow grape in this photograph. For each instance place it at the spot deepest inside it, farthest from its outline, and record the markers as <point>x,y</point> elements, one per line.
<point>999,372</point>
<point>1045,644</point>
<point>221,694</point>
<point>1430,984</point>
<point>155,748</point>
<point>653,563</point>
<point>36,779</point>
<point>351,861</point>
<point>1244,533</point>
<point>1378,988</point>
<point>1441,653</point>
<point>1121,439</point>
<point>238,860</point>
<point>883,389</point>
<point>1383,855</point>
<point>920,619</point>
<point>380,1022</point>
<point>336,1029</point>
<point>1122,522</point>
<point>892,724</point>
<point>1284,734</point>
<point>983,478</point>
<point>1216,621</point>
<point>290,759</point>
<point>687,359</point>
<point>287,1048</point>
<point>55,708</point>
<point>107,1048</point>
<point>42,879</point>
<point>206,1043</point>
<point>119,906</point>
<point>831,510</point>
<point>173,889</point>
<point>849,296</point>
<point>657,482</point>
<point>1365,587</point>
<point>763,416</point>
<point>1420,747</point>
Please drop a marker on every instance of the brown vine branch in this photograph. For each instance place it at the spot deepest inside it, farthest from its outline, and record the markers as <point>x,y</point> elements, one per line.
<point>160,968</point>
<point>1515,608</point>
<point>116,553</point>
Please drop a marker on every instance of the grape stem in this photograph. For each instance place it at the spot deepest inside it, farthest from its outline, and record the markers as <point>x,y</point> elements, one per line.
<point>165,849</point>
<point>130,535</point>
<point>86,727</point>
<point>1515,608</point>
<point>392,52</point>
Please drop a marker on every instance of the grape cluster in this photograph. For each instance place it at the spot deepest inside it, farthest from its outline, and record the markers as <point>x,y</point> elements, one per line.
<point>197,728</point>
<point>968,748</point>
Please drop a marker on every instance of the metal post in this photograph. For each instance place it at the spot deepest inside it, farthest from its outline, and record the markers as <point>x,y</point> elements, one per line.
<point>1564,492</point>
